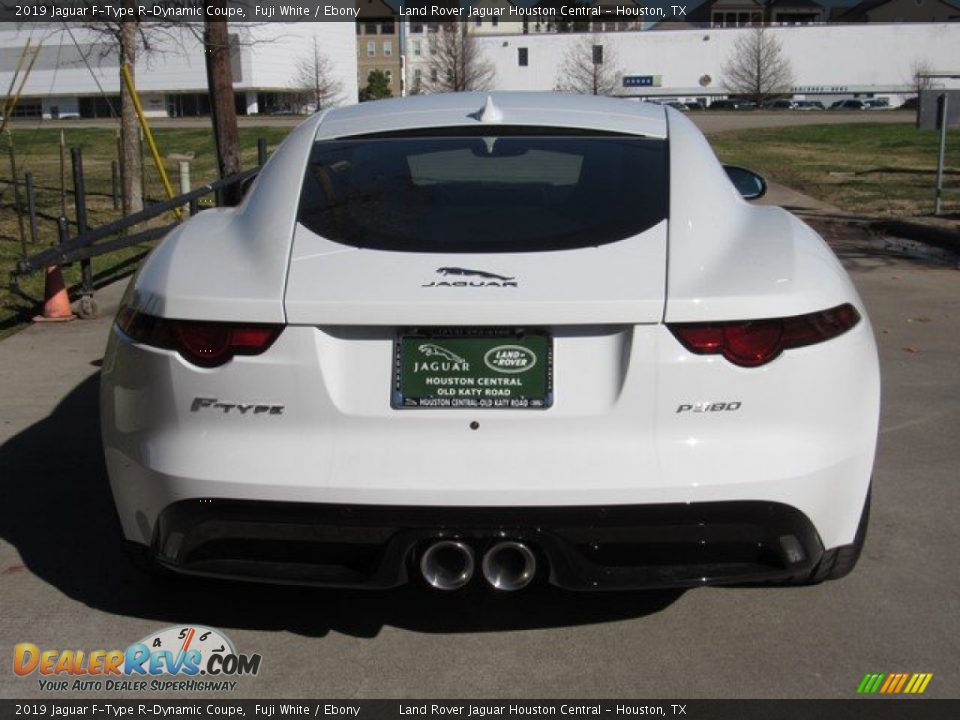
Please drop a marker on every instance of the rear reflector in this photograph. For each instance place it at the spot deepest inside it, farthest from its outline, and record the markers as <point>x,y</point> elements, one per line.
<point>749,343</point>
<point>207,344</point>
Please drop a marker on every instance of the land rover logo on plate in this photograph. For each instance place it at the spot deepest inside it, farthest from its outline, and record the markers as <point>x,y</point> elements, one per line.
<point>510,359</point>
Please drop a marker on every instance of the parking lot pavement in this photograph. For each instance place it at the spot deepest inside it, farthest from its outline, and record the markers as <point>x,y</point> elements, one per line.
<point>65,584</point>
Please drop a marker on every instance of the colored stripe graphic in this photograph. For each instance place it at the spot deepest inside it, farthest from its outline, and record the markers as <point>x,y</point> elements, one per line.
<point>894,683</point>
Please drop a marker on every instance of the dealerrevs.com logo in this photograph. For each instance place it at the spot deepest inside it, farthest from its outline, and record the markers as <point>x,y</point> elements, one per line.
<point>180,658</point>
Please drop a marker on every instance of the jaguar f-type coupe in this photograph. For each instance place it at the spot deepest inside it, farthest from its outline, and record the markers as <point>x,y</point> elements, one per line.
<point>494,338</point>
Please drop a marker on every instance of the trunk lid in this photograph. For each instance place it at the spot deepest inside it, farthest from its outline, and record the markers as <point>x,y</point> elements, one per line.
<point>622,282</point>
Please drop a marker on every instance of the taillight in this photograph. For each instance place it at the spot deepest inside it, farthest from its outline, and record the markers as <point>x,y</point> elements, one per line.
<point>750,343</point>
<point>202,343</point>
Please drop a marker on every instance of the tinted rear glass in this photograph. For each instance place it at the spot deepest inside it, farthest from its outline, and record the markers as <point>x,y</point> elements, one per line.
<point>504,191</point>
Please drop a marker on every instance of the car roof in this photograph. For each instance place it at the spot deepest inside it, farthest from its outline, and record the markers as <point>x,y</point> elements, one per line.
<point>585,112</point>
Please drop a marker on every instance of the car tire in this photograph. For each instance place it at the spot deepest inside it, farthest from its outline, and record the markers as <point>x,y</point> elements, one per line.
<point>840,562</point>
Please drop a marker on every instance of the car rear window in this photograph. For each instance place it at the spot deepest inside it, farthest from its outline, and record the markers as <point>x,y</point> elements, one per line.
<point>496,189</point>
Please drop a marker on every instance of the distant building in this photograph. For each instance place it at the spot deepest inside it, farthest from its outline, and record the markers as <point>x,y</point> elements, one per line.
<point>378,43</point>
<point>895,11</point>
<point>745,13</point>
<point>614,21</point>
<point>830,61</point>
<point>77,74</point>
<point>496,20</point>
<point>796,12</point>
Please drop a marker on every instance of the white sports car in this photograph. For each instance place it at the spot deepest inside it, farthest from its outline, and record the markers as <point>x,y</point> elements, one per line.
<point>497,337</point>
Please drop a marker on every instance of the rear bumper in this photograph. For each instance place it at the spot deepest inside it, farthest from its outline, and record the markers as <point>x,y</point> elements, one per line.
<point>579,548</point>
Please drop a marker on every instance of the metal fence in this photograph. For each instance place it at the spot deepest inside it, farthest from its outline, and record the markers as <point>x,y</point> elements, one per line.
<point>92,242</point>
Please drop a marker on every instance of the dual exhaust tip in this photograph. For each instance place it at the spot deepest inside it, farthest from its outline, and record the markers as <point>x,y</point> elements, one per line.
<point>450,564</point>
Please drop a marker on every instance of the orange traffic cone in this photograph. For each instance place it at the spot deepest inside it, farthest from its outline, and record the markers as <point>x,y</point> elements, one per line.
<point>56,303</point>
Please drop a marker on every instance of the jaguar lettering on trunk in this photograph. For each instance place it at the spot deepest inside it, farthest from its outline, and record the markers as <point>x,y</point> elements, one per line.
<point>484,278</point>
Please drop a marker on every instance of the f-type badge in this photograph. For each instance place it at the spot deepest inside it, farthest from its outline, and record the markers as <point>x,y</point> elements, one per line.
<point>486,279</point>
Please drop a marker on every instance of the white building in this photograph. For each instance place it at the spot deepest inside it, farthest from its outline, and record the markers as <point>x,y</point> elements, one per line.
<point>828,61</point>
<point>77,73</point>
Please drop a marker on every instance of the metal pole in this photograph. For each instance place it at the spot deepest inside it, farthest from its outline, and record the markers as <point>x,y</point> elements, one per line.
<point>115,183</point>
<point>261,151</point>
<point>943,148</point>
<point>183,170</point>
<point>32,209</point>
<point>63,230</point>
<point>63,175</point>
<point>16,193</point>
<point>80,203</point>
<point>123,200</point>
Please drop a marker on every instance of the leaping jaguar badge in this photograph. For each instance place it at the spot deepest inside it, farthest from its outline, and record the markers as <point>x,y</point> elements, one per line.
<point>486,279</point>
<point>431,350</point>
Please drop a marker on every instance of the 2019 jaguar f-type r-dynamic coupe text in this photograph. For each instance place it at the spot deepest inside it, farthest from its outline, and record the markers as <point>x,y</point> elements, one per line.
<point>494,337</point>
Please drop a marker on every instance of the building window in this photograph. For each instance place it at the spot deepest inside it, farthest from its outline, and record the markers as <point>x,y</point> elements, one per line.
<point>417,47</point>
<point>523,58</point>
<point>388,48</point>
<point>478,22</point>
<point>433,74</point>
<point>416,27</point>
<point>495,21</point>
<point>389,74</point>
<point>371,48</point>
<point>370,28</point>
<point>386,27</point>
<point>598,54</point>
<point>417,75</point>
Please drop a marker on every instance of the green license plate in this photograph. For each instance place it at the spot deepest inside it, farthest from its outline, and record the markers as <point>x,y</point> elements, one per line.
<point>473,369</point>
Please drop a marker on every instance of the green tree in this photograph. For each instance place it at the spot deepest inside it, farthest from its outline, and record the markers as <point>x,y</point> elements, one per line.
<point>378,87</point>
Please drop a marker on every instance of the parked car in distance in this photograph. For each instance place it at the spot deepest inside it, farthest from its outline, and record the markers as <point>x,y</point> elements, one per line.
<point>732,105</point>
<point>808,105</point>
<point>848,105</point>
<point>780,105</point>
<point>877,104</point>
<point>910,104</point>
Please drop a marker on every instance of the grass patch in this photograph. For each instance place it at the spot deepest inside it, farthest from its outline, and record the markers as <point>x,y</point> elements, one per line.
<point>37,151</point>
<point>871,169</point>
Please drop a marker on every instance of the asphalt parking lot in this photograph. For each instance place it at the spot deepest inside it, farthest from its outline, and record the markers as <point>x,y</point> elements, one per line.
<point>65,584</point>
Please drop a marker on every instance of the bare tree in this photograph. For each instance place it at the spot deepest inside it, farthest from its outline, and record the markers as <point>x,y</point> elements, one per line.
<point>316,78</point>
<point>757,68</point>
<point>457,63</point>
<point>127,38</point>
<point>920,78</point>
<point>134,37</point>
<point>589,68</point>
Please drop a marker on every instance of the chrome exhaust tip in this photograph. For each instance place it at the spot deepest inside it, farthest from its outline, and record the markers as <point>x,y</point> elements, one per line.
<point>447,564</point>
<point>509,565</point>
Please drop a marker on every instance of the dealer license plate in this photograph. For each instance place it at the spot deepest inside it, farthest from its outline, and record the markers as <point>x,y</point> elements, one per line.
<point>473,369</point>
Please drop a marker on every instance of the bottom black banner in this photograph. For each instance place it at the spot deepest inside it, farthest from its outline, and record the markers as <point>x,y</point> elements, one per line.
<point>867,709</point>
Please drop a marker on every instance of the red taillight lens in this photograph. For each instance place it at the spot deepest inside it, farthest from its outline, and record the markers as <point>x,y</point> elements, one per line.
<point>202,343</point>
<point>750,343</point>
